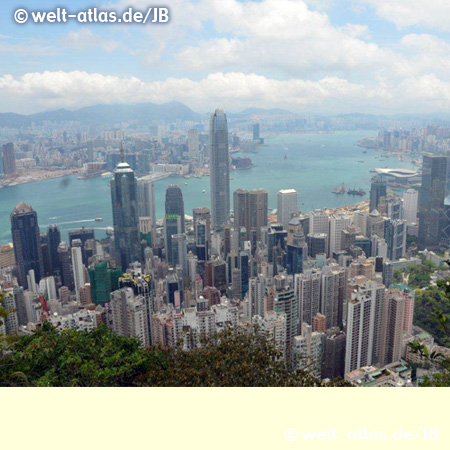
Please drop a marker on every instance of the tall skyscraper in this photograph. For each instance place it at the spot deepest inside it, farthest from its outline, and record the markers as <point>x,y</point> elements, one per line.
<point>173,220</point>
<point>79,277</point>
<point>9,159</point>
<point>125,215</point>
<point>53,241</point>
<point>377,192</point>
<point>219,169</point>
<point>193,143</point>
<point>146,198</point>
<point>410,204</point>
<point>395,236</point>
<point>250,210</point>
<point>338,223</point>
<point>64,265</point>
<point>26,241</point>
<point>287,205</point>
<point>435,175</point>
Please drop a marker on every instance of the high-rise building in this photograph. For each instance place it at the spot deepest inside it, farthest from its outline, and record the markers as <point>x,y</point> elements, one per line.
<point>125,215</point>
<point>64,265</point>
<point>255,129</point>
<point>146,198</point>
<point>410,204</point>
<point>219,168</point>
<point>250,210</point>
<point>377,192</point>
<point>432,193</point>
<point>317,244</point>
<point>26,240</point>
<point>79,277</point>
<point>338,223</point>
<point>9,159</point>
<point>308,351</point>
<point>364,326</point>
<point>395,236</point>
<point>193,143</point>
<point>296,252</point>
<point>287,205</point>
<point>319,222</point>
<point>103,281</point>
<point>53,241</point>
<point>255,295</point>
<point>333,351</point>
<point>332,294</point>
<point>174,222</point>
<point>307,289</point>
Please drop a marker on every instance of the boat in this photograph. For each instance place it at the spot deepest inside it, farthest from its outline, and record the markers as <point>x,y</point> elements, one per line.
<point>359,192</point>
<point>98,219</point>
<point>339,190</point>
<point>185,184</point>
<point>361,161</point>
<point>204,190</point>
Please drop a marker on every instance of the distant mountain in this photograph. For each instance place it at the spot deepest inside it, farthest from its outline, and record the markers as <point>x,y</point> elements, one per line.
<point>261,112</point>
<point>105,115</point>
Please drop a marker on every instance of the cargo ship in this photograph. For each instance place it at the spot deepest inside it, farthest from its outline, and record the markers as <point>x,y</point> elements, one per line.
<point>359,192</point>
<point>339,190</point>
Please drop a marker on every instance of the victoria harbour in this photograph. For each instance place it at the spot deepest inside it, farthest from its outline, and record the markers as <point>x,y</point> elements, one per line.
<point>314,164</point>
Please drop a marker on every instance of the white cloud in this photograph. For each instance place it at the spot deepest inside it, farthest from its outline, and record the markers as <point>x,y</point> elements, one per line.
<point>85,38</point>
<point>37,91</point>
<point>434,14</point>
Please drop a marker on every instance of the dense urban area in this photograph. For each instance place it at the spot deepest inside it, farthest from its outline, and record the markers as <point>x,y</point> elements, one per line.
<point>233,292</point>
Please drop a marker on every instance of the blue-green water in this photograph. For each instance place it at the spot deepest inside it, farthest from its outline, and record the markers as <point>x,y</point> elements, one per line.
<point>315,164</point>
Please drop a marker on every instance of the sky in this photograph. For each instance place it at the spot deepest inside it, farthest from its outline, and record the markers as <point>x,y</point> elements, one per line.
<point>307,56</point>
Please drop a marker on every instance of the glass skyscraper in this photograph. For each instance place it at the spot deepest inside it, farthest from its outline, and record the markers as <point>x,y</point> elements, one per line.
<point>125,215</point>
<point>219,169</point>
<point>174,219</point>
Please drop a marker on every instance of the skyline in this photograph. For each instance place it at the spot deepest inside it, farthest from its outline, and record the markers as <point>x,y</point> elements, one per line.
<point>363,56</point>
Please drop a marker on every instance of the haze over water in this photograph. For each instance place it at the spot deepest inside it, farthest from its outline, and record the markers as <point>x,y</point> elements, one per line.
<point>315,164</point>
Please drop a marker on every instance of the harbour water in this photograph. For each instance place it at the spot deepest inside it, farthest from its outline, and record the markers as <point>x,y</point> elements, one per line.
<point>311,163</point>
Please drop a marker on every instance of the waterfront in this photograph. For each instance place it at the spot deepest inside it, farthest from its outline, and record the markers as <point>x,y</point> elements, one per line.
<point>311,163</point>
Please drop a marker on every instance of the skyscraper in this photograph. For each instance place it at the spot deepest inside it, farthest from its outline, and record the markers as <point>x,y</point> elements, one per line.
<point>125,215</point>
<point>27,245</point>
<point>431,201</point>
<point>410,203</point>
<point>219,169</point>
<point>9,159</point>
<point>64,265</point>
<point>287,205</point>
<point>174,219</point>
<point>377,192</point>
<point>53,240</point>
<point>250,210</point>
<point>146,198</point>
<point>78,270</point>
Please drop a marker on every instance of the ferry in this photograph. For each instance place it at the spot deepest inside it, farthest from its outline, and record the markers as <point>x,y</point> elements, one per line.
<point>98,219</point>
<point>339,190</point>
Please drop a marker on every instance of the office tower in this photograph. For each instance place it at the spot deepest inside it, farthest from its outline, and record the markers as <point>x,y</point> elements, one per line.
<point>410,204</point>
<point>256,294</point>
<point>53,241</point>
<point>364,326</point>
<point>244,267</point>
<point>103,281</point>
<point>377,192</point>
<point>26,241</point>
<point>9,159</point>
<point>255,129</point>
<point>432,194</point>
<point>219,168</point>
<point>317,244</point>
<point>86,236</point>
<point>308,351</point>
<point>146,198</point>
<point>216,275</point>
<point>240,208</point>
<point>286,302</point>
<point>319,222</point>
<point>338,223</point>
<point>179,250</point>
<point>395,236</point>
<point>193,143</point>
<point>307,290</point>
<point>360,221</point>
<point>128,316</point>
<point>393,327</point>
<point>296,253</point>
<point>200,239</point>
<point>236,283</point>
<point>64,265</point>
<point>125,215</point>
<point>79,277</point>
<point>173,219</point>
<point>10,324</point>
<point>20,307</point>
<point>375,224</point>
<point>287,206</point>
<point>394,208</point>
<point>333,354</point>
<point>174,290</point>
<point>45,254</point>
<point>332,295</point>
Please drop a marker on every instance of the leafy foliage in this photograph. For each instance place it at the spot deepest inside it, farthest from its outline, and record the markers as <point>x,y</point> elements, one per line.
<point>101,358</point>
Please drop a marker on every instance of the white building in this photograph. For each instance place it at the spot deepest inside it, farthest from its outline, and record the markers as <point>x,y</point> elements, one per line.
<point>287,205</point>
<point>308,351</point>
<point>78,270</point>
<point>338,223</point>
<point>410,202</point>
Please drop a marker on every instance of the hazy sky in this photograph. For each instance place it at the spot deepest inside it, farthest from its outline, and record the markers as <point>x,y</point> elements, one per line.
<point>315,56</point>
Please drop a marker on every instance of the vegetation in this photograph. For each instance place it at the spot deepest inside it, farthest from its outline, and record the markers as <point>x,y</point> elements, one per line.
<point>101,358</point>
